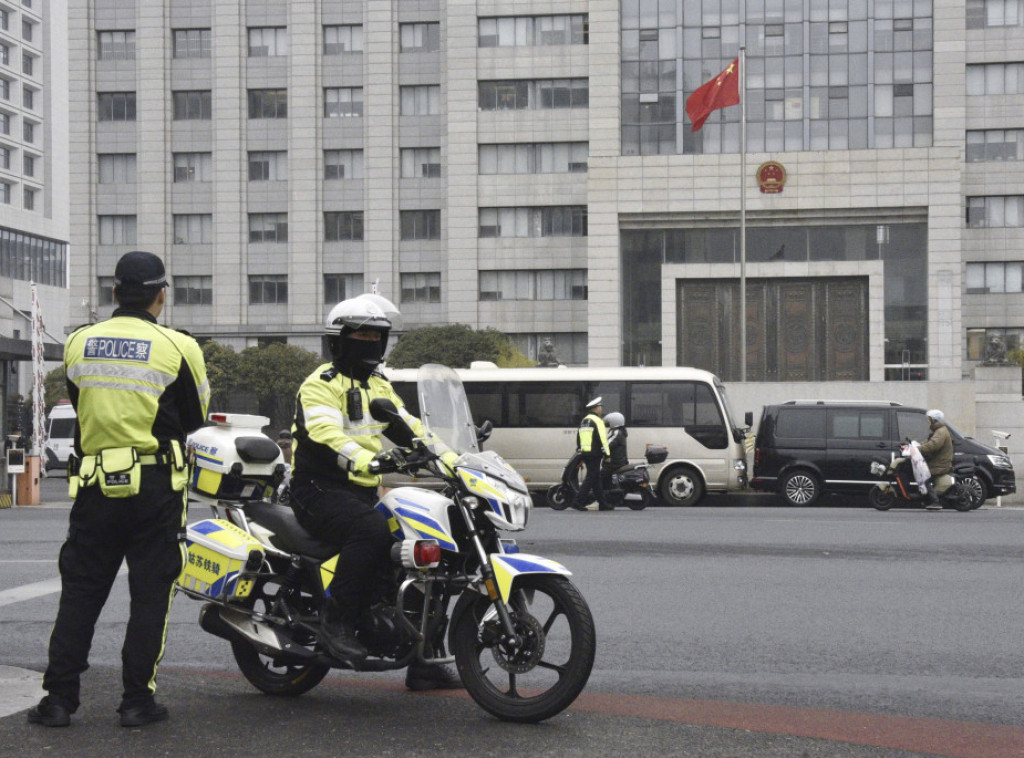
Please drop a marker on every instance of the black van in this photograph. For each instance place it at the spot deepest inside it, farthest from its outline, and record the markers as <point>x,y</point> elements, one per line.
<point>805,448</point>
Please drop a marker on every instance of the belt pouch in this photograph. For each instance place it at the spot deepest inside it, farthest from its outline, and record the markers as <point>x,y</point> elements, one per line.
<point>120,472</point>
<point>179,467</point>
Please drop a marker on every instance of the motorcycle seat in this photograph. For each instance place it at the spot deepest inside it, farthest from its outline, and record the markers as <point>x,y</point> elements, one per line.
<point>288,532</point>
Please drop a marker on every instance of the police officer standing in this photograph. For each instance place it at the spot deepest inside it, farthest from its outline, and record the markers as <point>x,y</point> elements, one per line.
<point>593,451</point>
<point>336,472</point>
<point>138,389</point>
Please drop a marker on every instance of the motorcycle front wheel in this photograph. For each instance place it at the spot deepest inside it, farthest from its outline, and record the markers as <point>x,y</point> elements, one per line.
<point>543,676</point>
<point>262,671</point>
<point>881,499</point>
<point>556,497</point>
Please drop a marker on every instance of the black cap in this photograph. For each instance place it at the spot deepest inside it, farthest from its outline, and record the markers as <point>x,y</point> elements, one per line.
<point>140,269</point>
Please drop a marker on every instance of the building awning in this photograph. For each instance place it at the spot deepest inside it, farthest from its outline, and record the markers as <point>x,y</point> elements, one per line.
<point>21,350</point>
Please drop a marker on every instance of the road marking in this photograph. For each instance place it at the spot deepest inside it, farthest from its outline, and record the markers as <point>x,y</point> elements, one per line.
<point>36,589</point>
<point>21,689</point>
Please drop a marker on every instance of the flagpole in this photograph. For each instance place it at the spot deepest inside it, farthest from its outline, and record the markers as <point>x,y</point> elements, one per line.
<point>743,213</point>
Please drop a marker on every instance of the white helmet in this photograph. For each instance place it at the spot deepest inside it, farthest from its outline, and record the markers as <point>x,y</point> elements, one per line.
<point>361,311</point>
<point>614,420</point>
<point>935,415</point>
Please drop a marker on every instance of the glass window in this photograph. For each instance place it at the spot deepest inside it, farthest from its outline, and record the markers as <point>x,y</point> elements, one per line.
<point>421,288</point>
<point>193,229</point>
<point>421,100</point>
<point>420,225</point>
<point>424,162</point>
<point>343,225</point>
<point>117,230</point>
<point>268,41</point>
<point>268,290</point>
<point>191,43</point>
<point>268,227</point>
<point>116,45</point>
<point>268,166</point>
<point>193,167</point>
<point>912,425</point>
<point>192,105</point>
<point>116,106</point>
<point>268,103</point>
<point>343,38</point>
<point>193,290</point>
<point>343,102</point>
<point>343,164</point>
<point>420,37</point>
<point>338,287</point>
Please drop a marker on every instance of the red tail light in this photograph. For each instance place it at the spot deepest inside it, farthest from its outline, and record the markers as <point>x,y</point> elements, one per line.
<point>427,553</point>
<point>758,455</point>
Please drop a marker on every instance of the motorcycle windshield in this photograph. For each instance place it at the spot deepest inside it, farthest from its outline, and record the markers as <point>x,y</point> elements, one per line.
<point>444,409</point>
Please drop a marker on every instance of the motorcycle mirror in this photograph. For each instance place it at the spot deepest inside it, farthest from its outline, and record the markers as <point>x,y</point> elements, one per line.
<point>484,431</point>
<point>384,410</point>
<point>748,419</point>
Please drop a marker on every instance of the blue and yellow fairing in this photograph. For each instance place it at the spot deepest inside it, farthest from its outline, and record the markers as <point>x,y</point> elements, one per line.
<point>508,567</point>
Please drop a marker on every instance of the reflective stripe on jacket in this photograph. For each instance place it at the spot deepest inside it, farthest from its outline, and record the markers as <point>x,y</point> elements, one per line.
<point>328,442</point>
<point>134,383</point>
<point>585,434</point>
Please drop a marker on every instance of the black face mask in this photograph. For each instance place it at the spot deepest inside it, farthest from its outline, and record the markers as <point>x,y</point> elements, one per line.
<point>360,358</point>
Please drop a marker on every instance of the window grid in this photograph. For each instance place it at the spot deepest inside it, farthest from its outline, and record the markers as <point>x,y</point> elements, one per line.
<point>193,290</point>
<point>543,221</point>
<point>420,37</point>
<point>542,284</point>
<point>268,290</point>
<point>268,227</point>
<point>268,166</point>
<point>116,106</point>
<point>193,167</point>
<point>995,277</point>
<point>343,102</point>
<point>995,211</point>
<point>192,105</point>
<point>116,45</point>
<point>530,31</point>
<point>421,100</point>
<point>343,38</point>
<point>995,145</point>
<point>191,43</point>
<point>117,168</point>
<point>534,158</point>
<point>117,230</point>
<point>533,94</point>
<point>268,41</point>
<point>420,225</point>
<point>343,164</point>
<point>268,103</point>
<point>338,287</point>
<point>421,287</point>
<point>193,229</point>
<point>421,162</point>
<point>343,225</point>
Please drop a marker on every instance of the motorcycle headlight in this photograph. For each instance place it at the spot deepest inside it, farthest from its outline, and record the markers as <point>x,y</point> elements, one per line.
<point>505,507</point>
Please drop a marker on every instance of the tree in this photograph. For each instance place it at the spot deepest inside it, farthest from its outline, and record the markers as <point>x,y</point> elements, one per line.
<point>454,345</point>
<point>54,387</point>
<point>272,374</point>
<point>223,371</point>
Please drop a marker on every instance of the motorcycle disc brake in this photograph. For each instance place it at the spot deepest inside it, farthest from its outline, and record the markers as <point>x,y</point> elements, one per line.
<point>524,658</point>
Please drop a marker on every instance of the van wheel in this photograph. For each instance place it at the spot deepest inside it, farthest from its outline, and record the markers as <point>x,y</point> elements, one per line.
<point>800,488</point>
<point>681,486</point>
<point>977,488</point>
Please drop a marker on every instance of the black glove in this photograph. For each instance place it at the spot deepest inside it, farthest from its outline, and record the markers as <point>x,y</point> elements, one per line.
<point>386,461</point>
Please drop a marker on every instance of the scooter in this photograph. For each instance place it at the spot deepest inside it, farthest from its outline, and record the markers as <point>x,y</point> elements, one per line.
<point>630,485</point>
<point>899,488</point>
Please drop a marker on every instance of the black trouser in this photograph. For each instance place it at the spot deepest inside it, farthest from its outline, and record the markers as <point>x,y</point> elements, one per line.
<point>344,515</point>
<point>592,482</point>
<point>147,531</point>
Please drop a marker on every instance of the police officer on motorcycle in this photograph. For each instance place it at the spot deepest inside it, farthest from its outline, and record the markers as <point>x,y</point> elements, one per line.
<point>337,462</point>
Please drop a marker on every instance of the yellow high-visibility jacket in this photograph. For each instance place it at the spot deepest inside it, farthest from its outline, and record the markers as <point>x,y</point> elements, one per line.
<point>585,434</point>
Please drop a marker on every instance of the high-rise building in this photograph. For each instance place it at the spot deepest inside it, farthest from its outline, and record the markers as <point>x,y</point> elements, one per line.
<point>530,167</point>
<point>33,191</point>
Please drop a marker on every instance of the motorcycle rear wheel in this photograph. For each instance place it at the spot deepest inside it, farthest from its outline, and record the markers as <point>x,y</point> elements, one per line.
<point>263,672</point>
<point>548,672</point>
<point>882,500</point>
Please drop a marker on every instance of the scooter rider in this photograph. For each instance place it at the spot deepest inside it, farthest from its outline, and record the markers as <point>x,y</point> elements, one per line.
<point>338,459</point>
<point>617,434</point>
<point>592,450</point>
<point>938,453</point>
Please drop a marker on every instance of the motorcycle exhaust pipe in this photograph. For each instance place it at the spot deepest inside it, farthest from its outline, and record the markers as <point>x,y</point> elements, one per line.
<point>234,625</point>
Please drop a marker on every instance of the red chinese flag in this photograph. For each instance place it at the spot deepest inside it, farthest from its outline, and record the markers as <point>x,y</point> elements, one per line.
<point>720,92</point>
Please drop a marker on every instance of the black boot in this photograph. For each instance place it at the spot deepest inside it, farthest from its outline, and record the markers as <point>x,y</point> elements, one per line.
<point>421,677</point>
<point>49,713</point>
<point>338,636</point>
<point>931,500</point>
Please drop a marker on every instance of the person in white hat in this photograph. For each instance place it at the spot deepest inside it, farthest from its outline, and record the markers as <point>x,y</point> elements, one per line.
<point>593,451</point>
<point>938,454</point>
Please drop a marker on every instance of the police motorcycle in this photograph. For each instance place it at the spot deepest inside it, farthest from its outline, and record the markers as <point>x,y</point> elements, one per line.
<point>630,485</point>
<point>519,632</point>
<point>899,487</point>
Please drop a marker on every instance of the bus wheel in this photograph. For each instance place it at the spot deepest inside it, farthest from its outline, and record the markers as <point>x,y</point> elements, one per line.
<point>681,486</point>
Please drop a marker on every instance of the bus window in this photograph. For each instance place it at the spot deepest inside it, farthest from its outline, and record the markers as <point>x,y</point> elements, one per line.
<point>543,404</point>
<point>407,391</point>
<point>659,403</point>
<point>485,400</point>
<point>612,396</point>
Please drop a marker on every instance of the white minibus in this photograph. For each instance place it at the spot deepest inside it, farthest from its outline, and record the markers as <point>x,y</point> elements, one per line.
<point>61,425</point>
<point>535,412</point>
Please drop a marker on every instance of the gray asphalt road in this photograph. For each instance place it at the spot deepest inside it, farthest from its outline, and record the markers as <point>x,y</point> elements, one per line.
<point>722,631</point>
